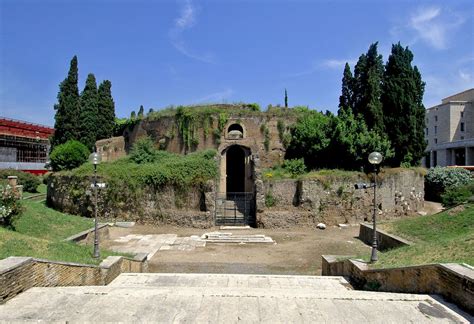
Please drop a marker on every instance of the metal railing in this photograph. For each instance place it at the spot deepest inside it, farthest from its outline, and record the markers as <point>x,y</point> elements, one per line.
<point>235,208</point>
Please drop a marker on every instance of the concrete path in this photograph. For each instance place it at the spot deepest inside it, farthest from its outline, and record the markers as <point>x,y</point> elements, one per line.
<point>222,298</point>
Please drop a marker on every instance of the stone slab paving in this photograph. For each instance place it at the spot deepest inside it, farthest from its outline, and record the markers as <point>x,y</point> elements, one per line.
<point>208,298</point>
<point>152,243</point>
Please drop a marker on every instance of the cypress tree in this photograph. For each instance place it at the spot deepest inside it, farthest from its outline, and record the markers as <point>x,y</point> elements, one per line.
<point>286,99</point>
<point>151,111</point>
<point>88,118</point>
<point>133,114</point>
<point>345,100</point>
<point>141,111</point>
<point>106,111</point>
<point>404,113</point>
<point>367,88</point>
<point>67,108</point>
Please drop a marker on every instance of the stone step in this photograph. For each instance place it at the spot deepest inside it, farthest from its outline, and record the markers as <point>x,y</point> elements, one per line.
<point>231,281</point>
<point>223,305</point>
<point>219,237</point>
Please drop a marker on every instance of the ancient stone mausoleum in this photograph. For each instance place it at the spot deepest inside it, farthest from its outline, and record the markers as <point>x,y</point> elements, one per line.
<point>246,141</point>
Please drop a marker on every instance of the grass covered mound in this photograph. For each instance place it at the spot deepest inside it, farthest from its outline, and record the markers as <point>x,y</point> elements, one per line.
<point>441,238</point>
<point>40,232</point>
<point>162,169</point>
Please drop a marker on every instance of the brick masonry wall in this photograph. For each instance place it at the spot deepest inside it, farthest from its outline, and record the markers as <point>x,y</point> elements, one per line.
<point>18,274</point>
<point>454,282</point>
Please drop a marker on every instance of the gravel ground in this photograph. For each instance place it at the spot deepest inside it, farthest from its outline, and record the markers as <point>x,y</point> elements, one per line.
<point>297,250</point>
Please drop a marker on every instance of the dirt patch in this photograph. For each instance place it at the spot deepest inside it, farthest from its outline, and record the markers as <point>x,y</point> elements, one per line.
<point>297,250</point>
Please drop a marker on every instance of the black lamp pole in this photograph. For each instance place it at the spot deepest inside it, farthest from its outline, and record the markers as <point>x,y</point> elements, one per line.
<point>375,158</point>
<point>373,256</point>
<point>96,233</point>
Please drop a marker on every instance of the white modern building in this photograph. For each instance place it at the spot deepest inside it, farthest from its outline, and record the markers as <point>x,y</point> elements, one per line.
<point>450,131</point>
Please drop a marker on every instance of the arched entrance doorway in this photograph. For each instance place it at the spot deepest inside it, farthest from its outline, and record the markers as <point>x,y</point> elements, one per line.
<point>235,169</point>
<point>235,201</point>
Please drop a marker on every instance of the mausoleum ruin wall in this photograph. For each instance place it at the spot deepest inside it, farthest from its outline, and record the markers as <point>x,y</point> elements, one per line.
<point>304,202</point>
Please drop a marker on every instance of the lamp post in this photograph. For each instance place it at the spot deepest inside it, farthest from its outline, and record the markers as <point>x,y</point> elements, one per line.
<point>375,158</point>
<point>95,159</point>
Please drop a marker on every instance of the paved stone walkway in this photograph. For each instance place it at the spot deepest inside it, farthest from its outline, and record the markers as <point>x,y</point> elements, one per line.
<point>219,298</point>
<point>152,243</point>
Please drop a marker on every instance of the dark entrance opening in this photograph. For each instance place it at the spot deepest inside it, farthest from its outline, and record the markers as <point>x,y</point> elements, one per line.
<point>235,169</point>
<point>460,156</point>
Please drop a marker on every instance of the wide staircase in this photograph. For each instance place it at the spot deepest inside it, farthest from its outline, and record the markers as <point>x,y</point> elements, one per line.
<point>225,298</point>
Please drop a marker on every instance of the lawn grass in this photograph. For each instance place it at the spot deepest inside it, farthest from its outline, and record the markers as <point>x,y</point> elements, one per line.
<point>40,233</point>
<point>446,237</point>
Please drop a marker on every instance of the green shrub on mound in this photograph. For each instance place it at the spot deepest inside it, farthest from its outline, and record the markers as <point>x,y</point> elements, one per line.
<point>69,155</point>
<point>162,169</point>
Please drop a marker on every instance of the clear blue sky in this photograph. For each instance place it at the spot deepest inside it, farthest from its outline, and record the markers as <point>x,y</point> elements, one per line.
<point>160,53</point>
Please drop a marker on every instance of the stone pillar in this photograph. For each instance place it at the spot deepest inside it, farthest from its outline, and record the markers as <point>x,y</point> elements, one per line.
<point>13,181</point>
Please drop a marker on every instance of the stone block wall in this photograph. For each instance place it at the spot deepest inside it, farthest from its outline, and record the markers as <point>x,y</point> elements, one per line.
<point>453,281</point>
<point>18,274</point>
<point>334,200</point>
<point>166,205</point>
<point>385,241</point>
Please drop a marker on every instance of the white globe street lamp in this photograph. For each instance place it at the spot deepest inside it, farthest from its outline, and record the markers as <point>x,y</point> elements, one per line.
<point>375,158</point>
<point>95,159</point>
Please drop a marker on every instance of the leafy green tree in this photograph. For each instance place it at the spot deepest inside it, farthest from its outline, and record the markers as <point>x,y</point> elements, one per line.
<point>311,136</point>
<point>404,113</point>
<point>67,108</point>
<point>106,111</point>
<point>352,142</point>
<point>133,115</point>
<point>345,100</point>
<point>141,112</point>
<point>88,118</point>
<point>286,99</point>
<point>367,88</point>
<point>69,155</point>
<point>151,111</point>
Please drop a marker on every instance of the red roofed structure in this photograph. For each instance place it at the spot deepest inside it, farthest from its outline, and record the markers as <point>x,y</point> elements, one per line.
<point>23,145</point>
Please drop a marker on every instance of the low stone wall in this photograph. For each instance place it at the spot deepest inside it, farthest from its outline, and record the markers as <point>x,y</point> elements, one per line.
<point>88,235</point>
<point>385,241</point>
<point>453,281</point>
<point>193,207</point>
<point>334,200</point>
<point>18,274</point>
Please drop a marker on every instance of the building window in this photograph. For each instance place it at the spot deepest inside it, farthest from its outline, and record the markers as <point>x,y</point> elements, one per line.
<point>427,120</point>
<point>462,127</point>
<point>426,131</point>
<point>436,118</point>
<point>462,137</point>
<point>436,130</point>
<point>462,114</point>
<point>436,141</point>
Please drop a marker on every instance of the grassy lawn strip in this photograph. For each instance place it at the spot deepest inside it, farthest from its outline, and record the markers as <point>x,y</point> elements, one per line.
<point>40,233</point>
<point>441,238</point>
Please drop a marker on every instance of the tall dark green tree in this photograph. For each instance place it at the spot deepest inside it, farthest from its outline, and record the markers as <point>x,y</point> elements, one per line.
<point>106,111</point>
<point>88,118</point>
<point>133,114</point>
<point>367,88</point>
<point>67,108</point>
<point>346,100</point>
<point>404,113</point>
<point>286,99</point>
<point>141,111</point>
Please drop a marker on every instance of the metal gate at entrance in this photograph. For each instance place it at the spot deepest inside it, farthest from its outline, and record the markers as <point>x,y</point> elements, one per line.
<point>235,208</point>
